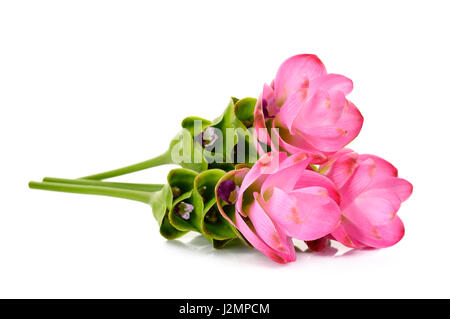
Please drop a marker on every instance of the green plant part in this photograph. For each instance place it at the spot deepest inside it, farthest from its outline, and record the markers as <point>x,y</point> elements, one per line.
<point>213,225</point>
<point>233,125</point>
<point>187,202</point>
<point>161,203</point>
<point>244,110</point>
<point>131,186</point>
<point>182,151</point>
<point>226,207</point>
<point>156,195</point>
<point>195,208</point>
<point>190,151</point>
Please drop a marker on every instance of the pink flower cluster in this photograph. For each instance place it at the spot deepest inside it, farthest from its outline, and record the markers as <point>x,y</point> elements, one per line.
<point>319,190</point>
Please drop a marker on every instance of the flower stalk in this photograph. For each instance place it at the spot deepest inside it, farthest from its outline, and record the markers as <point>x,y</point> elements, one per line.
<point>163,159</point>
<point>237,181</point>
<point>135,195</point>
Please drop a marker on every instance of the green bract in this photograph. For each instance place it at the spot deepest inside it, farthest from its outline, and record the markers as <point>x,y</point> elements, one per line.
<point>162,202</point>
<point>235,120</point>
<point>206,151</point>
<point>197,189</point>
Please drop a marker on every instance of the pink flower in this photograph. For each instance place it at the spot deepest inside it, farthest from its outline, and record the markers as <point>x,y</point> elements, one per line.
<point>309,107</point>
<point>277,199</point>
<point>371,195</point>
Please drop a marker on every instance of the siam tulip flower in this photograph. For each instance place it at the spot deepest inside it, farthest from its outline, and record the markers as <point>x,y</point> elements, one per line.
<point>224,192</point>
<point>309,107</point>
<point>371,195</point>
<point>275,204</point>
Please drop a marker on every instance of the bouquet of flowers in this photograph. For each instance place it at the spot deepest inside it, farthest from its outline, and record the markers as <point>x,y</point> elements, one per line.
<point>268,170</point>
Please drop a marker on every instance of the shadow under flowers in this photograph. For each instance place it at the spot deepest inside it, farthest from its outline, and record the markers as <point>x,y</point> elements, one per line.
<point>202,245</point>
<point>334,249</point>
<point>235,251</point>
<point>239,251</point>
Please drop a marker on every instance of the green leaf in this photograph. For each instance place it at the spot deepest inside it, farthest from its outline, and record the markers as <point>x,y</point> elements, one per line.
<point>222,123</point>
<point>190,152</point>
<point>183,180</point>
<point>244,117</point>
<point>188,123</point>
<point>219,244</point>
<point>198,189</point>
<point>237,176</point>
<point>213,225</point>
<point>179,223</point>
<point>244,110</point>
<point>161,202</point>
<point>237,119</point>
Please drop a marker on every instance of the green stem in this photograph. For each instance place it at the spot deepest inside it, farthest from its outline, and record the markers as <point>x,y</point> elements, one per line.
<point>132,186</point>
<point>94,190</point>
<point>162,159</point>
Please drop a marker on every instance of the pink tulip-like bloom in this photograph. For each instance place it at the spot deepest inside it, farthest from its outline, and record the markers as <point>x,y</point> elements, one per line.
<point>354,200</point>
<point>309,108</point>
<point>307,187</point>
<point>370,197</point>
<point>275,203</point>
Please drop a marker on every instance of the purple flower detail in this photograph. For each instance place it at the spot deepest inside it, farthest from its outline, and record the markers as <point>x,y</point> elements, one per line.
<point>227,191</point>
<point>184,210</point>
<point>265,110</point>
<point>207,138</point>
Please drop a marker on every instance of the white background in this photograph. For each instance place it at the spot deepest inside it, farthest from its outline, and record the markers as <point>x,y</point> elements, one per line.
<point>87,86</point>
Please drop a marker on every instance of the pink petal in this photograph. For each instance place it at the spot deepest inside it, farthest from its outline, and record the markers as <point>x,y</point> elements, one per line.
<point>289,110</point>
<point>400,186</point>
<point>310,178</point>
<point>248,231</point>
<point>261,131</point>
<point>268,96</point>
<point>295,73</point>
<point>259,123</point>
<point>377,236</point>
<point>332,82</point>
<point>371,195</point>
<point>259,244</point>
<point>269,232</point>
<point>259,118</point>
<point>351,121</point>
<point>305,214</point>
<point>377,210</point>
<point>390,233</point>
<point>394,189</point>
<point>322,109</point>
<point>296,144</point>
<point>340,167</point>
<point>340,234</point>
<point>288,174</point>
<point>328,124</point>
<point>268,163</point>
<point>361,179</point>
<point>383,166</point>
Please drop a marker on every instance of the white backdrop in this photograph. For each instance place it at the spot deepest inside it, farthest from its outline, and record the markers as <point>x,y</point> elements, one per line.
<point>87,86</point>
